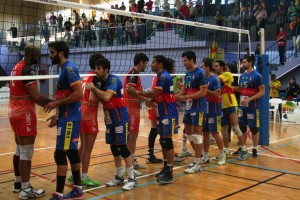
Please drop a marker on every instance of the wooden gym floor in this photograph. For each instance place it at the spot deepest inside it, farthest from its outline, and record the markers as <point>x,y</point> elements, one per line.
<point>275,174</point>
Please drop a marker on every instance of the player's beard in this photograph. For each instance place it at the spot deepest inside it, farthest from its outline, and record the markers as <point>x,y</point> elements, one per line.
<point>56,60</point>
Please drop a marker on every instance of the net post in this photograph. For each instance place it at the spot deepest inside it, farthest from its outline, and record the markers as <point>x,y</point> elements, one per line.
<point>264,138</point>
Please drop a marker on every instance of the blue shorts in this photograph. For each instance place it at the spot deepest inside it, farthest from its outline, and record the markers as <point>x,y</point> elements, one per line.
<point>117,134</point>
<point>249,116</point>
<point>167,126</point>
<point>212,123</point>
<point>67,135</point>
<point>225,117</point>
<point>194,118</point>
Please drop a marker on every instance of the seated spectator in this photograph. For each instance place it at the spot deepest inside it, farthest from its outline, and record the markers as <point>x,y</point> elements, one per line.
<point>292,89</point>
<point>234,19</point>
<point>281,39</point>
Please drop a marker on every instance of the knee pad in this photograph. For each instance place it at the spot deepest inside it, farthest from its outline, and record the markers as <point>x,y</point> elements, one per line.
<point>124,152</point>
<point>114,150</point>
<point>236,129</point>
<point>162,144</point>
<point>17,151</point>
<point>73,156</point>
<point>197,138</point>
<point>189,137</point>
<point>243,129</point>
<point>26,152</point>
<point>168,143</point>
<point>60,157</point>
<point>254,130</point>
<point>224,131</point>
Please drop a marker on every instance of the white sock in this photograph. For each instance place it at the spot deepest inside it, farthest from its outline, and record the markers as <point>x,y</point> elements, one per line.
<point>24,185</point>
<point>183,143</point>
<point>84,175</point>
<point>130,172</point>
<point>78,186</point>
<point>243,148</point>
<point>17,179</point>
<point>119,172</point>
<point>197,160</point>
<point>222,152</point>
<point>255,147</point>
<point>226,149</point>
<point>59,194</point>
<point>206,154</point>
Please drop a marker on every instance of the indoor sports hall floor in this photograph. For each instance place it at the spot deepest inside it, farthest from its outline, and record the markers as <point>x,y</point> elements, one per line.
<point>275,174</point>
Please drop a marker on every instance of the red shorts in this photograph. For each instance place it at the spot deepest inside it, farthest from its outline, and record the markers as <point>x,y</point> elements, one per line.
<point>152,114</point>
<point>24,124</point>
<point>89,127</point>
<point>134,121</point>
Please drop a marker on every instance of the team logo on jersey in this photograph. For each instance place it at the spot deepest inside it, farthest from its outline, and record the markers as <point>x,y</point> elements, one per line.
<point>69,69</point>
<point>113,80</point>
<point>131,79</point>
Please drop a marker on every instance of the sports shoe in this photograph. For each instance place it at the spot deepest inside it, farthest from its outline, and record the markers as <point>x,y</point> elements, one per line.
<point>56,197</point>
<point>244,155</point>
<point>31,193</point>
<point>228,154</point>
<point>70,178</point>
<point>222,159</point>
<point>237,152</point>
<point>192,170</point>
<point>153,159</point>
<point>136,165</point>
<point>254,153</point>
<point>131,183</point>
<point>165,179</point>
<point>161,173</point>
<point>177,158</point>
<point>115,182</point>
<point>204,160</point>
<point>16,187</point>
<point>87,182</point>
<point>136,173</point>
<point>184,153</point>
<point>76,193</point>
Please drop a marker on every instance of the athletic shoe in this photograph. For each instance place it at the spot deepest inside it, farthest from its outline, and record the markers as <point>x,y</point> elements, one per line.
<point>237,152</point>
<point>254,153</point>
<point>70,178</point>
<point>228,154</point>
<point>136,165</point>
<point>153,159</point>
<point>131,183</point>
<point>165,179</point>
<point>192,170</point>
<point>244,155</point>
<point>204,160</point>
<point>76,193</point>
<point>184,153</point>
<point>31,193</point>
<point>87,182</point>
<point>160,174</point>
<point>115,182</point>
<point>16,187</point>
<point>177,158</point>
<point>56,197</point>
<point>136,173</point>
<point>222,159</point>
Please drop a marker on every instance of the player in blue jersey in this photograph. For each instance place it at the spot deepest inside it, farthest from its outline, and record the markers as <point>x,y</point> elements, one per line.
<point>163,94</point>
<point>116,119</point>
<point>193,92</point>
<point>212,122</point>
<point>251,89</point>
<point>67,120</point>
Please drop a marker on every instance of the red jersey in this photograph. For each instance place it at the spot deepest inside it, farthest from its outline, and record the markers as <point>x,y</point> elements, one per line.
<point>134,81</point>
<point>281,38</point>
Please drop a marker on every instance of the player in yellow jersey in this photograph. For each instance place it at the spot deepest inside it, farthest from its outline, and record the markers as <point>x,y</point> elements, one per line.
<point>229,109</point>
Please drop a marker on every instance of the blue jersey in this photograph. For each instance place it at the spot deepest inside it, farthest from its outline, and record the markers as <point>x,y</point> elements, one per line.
<point>214,104</point>
<point>249,84</point>
<point>68,77</point>
<point>193,81</point>
<point>115,110</point>
<point>166,103</point>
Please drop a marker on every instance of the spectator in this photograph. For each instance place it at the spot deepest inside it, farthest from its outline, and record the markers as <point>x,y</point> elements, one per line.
<point>247,17</point>
<point>129,30</point>
<point>260,15</point>
<point>219,18</point>
<point>281,39</point>
<point>99,26</point>
<point>293,10</point>
<point>45,30</point>
<point>130,3</point>
<point>294,27</point>
<point>68,29</point>
<point>166,7</point>
<point>120,31</point>
<point>53,20</point>
<point>88,34</point>
<point>77,34</point>
<point>218,4</point>
<point>157,4</point>
<point>2,73</point>
<point>274,91</point>
<point>60,21</point>
<point>184,10</point>
<point>234,19</point>
<point>76,16</point>
<point>199,7</point>
<point>247,52</point>
<point>134,7</point>
<point>141,5</point>
<point>84,20</point>
<point>14,31</point>
<point>122,7</point>
<point>149,5</point>
<point>292,89</point>
<point>177,5</point>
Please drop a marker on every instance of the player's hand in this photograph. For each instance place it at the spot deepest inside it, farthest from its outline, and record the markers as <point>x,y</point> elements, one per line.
<point>131,90</point>
<point>50,106</point>
<point>180,98</point>
<point>89,86</point>
<point>53,121</point>
<point>245,102</point>
<point>150,104</point>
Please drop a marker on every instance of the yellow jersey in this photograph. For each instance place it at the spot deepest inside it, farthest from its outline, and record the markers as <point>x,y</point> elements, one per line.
<point>227,91</point>
<point>273,91</point>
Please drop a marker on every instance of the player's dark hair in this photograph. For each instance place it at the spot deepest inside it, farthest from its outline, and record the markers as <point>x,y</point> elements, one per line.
<point>170,65</point>
<point>103,63</point>
<point>189,55</point>
<point>60,46</point>
<point>208,63</point>
<point>221,63</point>
<point>93,58</point>
<point>161,59</point>
<point>140,57</point>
